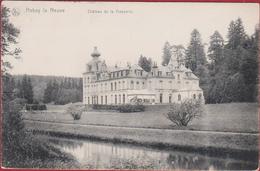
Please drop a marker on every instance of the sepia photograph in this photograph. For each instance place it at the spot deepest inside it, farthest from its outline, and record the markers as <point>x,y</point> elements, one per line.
<point>129,85</point>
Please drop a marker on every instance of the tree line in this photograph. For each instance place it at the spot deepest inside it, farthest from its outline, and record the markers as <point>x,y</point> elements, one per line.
<point>47,89</point>
<point>227,72</point>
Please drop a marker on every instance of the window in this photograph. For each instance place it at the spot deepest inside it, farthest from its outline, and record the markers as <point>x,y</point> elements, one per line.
<point>159,73</point>
<point>143,86</point>
<point>123,98</point>
<point>119,98</point>
<point>132,85</point>
<point>179,97</point>
<point>137,85</point>
<point>194,96</point>
<point>97,100</point>
<point>123,86</point>
<point>115,85</point>
<point>119,85</point>
<point>111,86</point>
<point>111,101</point>
<point>115,99</point>
<point>170,98</point>
<point>200,95</point>
<point>178,76</point>
<point>117,74</point>
<point>106,99</point>
<point>101,99</point>
<point>161,98</point>
<point>122,73</point>
<point>88,100</point>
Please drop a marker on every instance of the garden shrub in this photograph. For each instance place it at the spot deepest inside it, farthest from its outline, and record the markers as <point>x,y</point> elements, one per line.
<point>35,107</point>
<point>183,113</point>
<point>131,108</point>
<point>76,110</point>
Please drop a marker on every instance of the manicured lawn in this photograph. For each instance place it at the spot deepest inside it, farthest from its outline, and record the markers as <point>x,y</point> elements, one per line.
<point>235,117</point>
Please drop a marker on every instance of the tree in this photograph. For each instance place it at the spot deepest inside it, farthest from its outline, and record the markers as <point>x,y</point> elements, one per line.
<point>195,54</point>
<point>167,54</point>
<point>145,63</point>
<point>179,54</point>
<point>216,48</point>
<point>9,40</point>
<point>26,89</point>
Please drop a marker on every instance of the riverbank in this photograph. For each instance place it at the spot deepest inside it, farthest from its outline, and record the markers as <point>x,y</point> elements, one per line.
<point>242,145</point>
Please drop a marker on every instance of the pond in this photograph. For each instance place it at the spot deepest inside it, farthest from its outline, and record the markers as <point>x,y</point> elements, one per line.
<point>106,155</point>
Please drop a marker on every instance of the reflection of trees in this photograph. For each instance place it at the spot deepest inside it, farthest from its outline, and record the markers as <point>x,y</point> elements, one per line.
<point>66,143</point>
<point>184,161</point>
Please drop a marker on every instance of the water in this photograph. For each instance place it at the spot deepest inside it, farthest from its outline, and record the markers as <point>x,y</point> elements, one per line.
<point>103,155</point>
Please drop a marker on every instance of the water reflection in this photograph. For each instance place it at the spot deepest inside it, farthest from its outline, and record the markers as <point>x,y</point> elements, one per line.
<point>92,154</point>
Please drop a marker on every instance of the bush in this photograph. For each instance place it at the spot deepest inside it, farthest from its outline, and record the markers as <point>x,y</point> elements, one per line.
<point>35,107</point>
<point>105,107</point>
<point>183,113</point>
<point>76,110</point>
<point>131,108</point>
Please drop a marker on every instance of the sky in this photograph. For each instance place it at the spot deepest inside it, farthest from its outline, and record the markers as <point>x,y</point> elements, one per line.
<point>57,38</point>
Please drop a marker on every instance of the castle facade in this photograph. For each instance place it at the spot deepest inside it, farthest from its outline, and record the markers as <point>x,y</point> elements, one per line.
<point>125,85</point>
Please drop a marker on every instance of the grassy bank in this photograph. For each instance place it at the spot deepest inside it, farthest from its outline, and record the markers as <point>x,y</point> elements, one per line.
<point>234,117</point>
<point>204,142</point>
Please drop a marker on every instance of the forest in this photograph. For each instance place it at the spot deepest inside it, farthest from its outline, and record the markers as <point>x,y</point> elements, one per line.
<point>227,70</point>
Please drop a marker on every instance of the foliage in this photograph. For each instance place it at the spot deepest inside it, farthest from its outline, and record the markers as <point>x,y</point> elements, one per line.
<point>69,90</point>
<point>76,110</point>
<point>127,108</point>
<point>183,113</point>
<point>145,63</point>
<point>124,108</point>
<point>195,54</point>
<point>35,107</point>
<point>105,107</point>
<point>167,54</point>
<point>25,89</point>
<point>9,34</point>
<point>233,75</point>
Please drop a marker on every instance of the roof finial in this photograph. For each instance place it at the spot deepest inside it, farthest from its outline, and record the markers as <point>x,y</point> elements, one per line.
<point>95,52</point>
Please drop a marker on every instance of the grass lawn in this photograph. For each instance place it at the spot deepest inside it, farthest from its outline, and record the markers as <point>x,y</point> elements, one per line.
<point>233,117</point>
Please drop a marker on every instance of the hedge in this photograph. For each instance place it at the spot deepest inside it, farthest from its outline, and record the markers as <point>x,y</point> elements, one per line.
<point>35,107</point>
<point>126,108</point>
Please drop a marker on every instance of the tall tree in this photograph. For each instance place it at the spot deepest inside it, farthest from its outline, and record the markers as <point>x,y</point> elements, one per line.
<point>145,63</point>
<point>216,48</point>
<point>8,40</point>
<point>167,54</point>
<point>195,54</point>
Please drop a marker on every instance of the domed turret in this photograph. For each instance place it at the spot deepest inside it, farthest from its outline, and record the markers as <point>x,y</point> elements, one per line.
<point>95,53</point>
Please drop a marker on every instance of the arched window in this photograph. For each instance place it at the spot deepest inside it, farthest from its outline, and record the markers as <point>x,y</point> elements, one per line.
<point>115,99</point>
<point>137,85</point>
<point>123,98</point>
<point>179,97</point>
<point>132,85</point>
<point>115,85</point>
<point>161,98</point>
<point>200,95</point>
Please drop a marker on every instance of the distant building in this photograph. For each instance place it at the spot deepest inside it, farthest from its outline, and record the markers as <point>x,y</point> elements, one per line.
<point>121,85</point>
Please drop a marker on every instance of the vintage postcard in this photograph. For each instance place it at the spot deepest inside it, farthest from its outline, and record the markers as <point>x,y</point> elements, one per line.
<point>130,85</point>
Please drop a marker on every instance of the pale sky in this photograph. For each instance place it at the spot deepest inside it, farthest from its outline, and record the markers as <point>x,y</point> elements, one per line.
<point>60,43</point>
